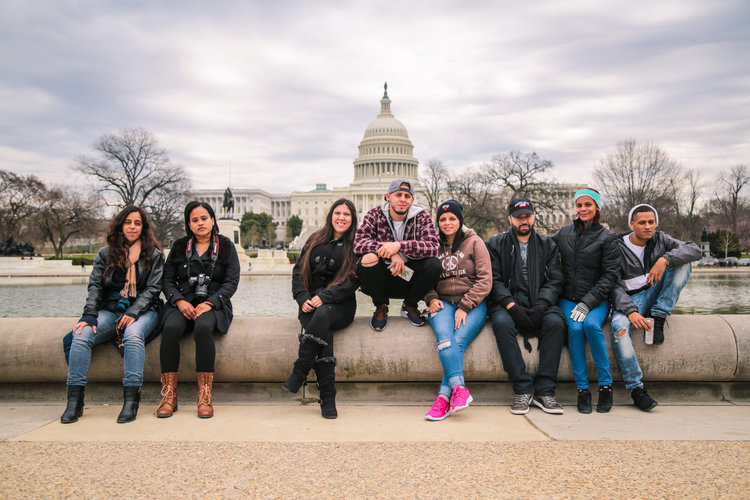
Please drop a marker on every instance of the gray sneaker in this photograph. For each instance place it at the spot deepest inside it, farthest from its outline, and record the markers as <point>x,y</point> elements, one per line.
<point>549,404</point>
<point>521,404</point>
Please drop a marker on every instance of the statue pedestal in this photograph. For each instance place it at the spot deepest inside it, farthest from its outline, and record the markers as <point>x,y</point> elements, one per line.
<point>271,261</point>
<point>706,249</point>
<point>231,229</point>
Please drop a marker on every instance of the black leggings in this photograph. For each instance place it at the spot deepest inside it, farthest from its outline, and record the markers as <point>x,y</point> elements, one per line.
<point>325,319</point>
<point>175,326</point>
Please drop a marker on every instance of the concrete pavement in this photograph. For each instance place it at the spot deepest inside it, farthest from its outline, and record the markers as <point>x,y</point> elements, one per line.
<point>289,451</point>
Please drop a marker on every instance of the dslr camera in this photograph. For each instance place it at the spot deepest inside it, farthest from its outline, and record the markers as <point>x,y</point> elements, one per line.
<point>200,283</point>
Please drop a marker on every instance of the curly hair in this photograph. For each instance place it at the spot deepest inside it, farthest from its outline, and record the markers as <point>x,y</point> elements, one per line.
<point>117,257</point>
<point>326,234</point>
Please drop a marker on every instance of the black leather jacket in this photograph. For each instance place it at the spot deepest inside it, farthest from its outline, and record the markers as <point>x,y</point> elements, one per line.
<point>543,264</point>
<point>660,245</point>
<point>148,285</point>
<point>590,259</point>
<point>224,280</point>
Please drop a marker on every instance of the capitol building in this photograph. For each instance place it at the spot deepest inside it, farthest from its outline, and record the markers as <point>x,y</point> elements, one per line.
<point>385,153</point>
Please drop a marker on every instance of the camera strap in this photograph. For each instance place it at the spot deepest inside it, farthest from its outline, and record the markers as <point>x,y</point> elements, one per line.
<point>214,251</point>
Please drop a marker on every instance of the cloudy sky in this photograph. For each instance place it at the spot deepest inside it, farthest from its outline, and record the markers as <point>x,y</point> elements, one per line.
<point>279,93</point>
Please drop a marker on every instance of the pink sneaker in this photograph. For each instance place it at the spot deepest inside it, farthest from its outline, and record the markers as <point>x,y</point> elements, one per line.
<point>441,409</point>
<point>460,398</point>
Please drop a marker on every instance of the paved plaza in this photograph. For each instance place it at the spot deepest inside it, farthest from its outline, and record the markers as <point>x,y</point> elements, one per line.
<point>289,451</point>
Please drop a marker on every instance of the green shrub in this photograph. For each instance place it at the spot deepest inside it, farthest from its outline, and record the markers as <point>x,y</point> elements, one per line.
<point>292,256</point>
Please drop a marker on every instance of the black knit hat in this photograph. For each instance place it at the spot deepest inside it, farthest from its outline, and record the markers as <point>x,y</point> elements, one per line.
<point>453,207</point>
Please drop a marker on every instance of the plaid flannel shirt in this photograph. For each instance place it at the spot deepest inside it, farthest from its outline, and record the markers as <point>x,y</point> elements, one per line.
<point>420,239</point>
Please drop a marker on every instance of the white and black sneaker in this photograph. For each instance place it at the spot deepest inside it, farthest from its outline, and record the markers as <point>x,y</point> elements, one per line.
<point>520,404</point>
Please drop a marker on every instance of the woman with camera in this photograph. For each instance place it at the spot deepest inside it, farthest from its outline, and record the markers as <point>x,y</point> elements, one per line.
<point>200,277</point>
<point>323,284</point>
<point>123,302</point>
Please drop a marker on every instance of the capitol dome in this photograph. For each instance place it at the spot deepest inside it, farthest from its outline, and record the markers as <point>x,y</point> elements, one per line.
<point>386,152</point>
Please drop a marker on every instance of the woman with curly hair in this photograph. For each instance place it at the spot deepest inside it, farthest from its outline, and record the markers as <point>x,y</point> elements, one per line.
<point>123,301</point>
<point>323,284</point>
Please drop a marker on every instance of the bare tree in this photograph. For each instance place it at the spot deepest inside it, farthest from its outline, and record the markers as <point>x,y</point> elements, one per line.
<point>686,205</point>
<point>166,208</point>
<point>64,212</point>
<point>519,174</point>
<point>132,168</point>
<point>634,173</point>
<point>435,182</point>
<point>480,202</point>
<point>729,195</point>
<point>18,198</point>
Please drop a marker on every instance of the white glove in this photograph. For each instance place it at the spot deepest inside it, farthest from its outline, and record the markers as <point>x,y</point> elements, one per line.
<point>579,312</point>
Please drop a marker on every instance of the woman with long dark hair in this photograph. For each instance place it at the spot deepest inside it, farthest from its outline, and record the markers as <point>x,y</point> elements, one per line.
<point>123,300</point>
<point>590,256</point>
<point>457,307</point>
<point>201,275</point>
<point>323,284</point>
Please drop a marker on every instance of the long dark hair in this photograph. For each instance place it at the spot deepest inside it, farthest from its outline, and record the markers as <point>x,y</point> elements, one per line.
<point>326,234</point>
<point>192,206</point>
<point>117,256</point>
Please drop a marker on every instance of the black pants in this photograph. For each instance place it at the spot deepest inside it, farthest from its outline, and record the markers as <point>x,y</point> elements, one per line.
<point>378,282</point>
<point>175,326</point>
<point>322,322</point>
<point>551,337</point>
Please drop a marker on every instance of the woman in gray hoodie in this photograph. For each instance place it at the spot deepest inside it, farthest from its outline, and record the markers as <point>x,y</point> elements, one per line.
<point>457,308</point>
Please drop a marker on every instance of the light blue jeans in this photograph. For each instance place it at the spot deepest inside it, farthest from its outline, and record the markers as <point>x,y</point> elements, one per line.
<point>133,338</point>
<point>590,330</point>
<point>451,343</point>
<point>659,300</point>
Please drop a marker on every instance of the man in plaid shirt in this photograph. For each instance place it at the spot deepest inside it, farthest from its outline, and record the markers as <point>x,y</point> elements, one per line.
<point>398,247</point>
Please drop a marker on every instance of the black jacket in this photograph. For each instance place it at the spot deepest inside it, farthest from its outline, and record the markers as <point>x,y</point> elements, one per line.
<point>326,260</point>
<point>543,263</point>
<point>148,284</point>
<point>590,259</point>
<point>661,245</point>
<point>224,279</point>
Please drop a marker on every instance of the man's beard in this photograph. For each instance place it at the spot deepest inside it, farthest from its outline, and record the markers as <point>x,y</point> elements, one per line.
<point>522,232</point>
<point>397,212</point>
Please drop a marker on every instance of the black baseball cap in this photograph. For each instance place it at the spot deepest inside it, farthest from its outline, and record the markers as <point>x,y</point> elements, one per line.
<point>520,206</point>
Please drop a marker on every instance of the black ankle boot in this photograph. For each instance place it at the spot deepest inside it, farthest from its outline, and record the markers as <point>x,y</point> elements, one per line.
<point>132,397</point>
<point>605,399</point>
<point>584,401</point>
<point>325,371</point>
<point>75,404</point>
<point>308,349</point>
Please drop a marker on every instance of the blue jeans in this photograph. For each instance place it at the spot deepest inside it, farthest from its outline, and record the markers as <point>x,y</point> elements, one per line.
<point>590,330</point>
<point>133,337</point>
<point>659,300</point>
<point>451,343</point>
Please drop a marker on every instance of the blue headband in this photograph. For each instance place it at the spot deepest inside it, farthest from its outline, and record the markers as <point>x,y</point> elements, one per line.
<point>591,193</point>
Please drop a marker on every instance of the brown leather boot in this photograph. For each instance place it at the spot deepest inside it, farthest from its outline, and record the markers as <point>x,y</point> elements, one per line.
<point>168,403</point>
<point>205,385</point>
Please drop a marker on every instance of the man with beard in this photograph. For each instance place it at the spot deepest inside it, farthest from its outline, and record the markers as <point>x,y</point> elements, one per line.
<point>526,281</point>
<point>398,247</point>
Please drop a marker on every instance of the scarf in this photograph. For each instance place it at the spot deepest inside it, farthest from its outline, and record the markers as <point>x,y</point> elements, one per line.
<point>130,288</point>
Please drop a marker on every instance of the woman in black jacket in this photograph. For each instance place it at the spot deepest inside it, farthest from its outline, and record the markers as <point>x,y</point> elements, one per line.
<point>123,303</point>
<point>200,277</point>
<point>323,284</point>
<point>590,263</point>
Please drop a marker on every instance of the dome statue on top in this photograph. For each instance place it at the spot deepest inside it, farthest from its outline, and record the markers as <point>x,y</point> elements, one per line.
<point>386,152</point>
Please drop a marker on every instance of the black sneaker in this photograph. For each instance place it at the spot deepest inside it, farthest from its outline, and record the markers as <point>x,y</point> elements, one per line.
<point>659,330</point>
<point>605,399</point>
<point>584,401</point>
<point>412,314</point>
<point>548,404</point>
<point>642,400</point>
<point>379,318</point>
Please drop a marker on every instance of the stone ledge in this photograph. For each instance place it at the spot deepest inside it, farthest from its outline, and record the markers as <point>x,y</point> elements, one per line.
<point>714,348</point>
